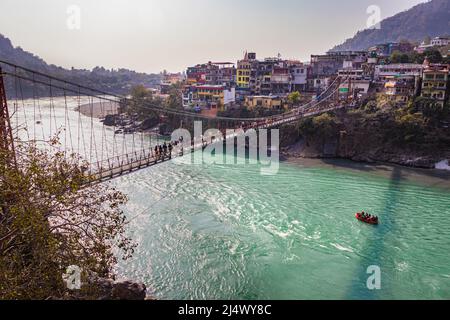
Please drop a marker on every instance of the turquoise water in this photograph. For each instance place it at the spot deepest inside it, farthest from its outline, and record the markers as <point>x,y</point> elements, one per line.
<point>227,232</point>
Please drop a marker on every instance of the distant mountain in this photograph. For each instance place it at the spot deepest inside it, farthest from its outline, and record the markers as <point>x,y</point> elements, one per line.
<point>112,81</point>
<point>426,19</point>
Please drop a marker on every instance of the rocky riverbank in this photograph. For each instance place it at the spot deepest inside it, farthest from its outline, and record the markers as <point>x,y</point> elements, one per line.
<point>122,290</point>
<point>332,149</point>
<point>98,288</point>
<point>385,136</point>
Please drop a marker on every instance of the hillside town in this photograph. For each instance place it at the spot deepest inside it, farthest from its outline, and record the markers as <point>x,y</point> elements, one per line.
<point>397,72</point>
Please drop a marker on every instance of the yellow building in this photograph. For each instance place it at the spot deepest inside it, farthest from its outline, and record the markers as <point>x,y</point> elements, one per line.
<point>400,90</point>
<point>269,102</point>
<point>244,68</point>
<point>435,83</point>
<point>211,96</point>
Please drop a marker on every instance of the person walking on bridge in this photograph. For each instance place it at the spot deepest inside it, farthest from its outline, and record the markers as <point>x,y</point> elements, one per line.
<point>165,149</point>
<point>170,150</point>
<point>156,152</point>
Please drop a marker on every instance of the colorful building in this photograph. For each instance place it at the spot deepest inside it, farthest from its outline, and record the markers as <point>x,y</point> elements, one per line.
<point>170,79</point>
<point>401,89</point>
<point>244,69</point>
<point>387,72</point>
<point>208,97</point>
<point>207,73</point>
<point>268,102</point>
<point>435,82</point>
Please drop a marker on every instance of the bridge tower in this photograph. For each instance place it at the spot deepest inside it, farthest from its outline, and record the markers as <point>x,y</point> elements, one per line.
<point>6,135</point>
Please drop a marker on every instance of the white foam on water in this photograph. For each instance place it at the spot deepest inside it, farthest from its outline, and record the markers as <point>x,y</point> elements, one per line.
<point>402,266</point>
<point>341,248</point>
<point>275,231</point>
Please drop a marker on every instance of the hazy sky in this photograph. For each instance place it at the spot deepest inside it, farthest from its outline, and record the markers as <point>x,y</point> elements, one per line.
<point>152,35</point>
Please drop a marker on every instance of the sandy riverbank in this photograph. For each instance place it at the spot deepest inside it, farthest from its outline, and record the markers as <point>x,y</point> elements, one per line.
<point>99,109</point>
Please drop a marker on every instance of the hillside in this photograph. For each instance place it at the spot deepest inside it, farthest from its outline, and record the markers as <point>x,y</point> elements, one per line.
<point>426,19</point>
<point>114,81</point>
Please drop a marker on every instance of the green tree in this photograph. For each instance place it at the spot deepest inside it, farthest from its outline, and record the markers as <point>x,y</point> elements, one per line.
<point>174,101</point>
<point>415,57</point>
<point>433,55</point>
<point>294,98</point>
<point>325,125</point>
<point>50,219</point>
<point>398,57</point>
<point>141,102</point>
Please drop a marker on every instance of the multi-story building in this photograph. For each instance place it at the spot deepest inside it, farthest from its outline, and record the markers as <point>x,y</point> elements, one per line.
<point>207,73</point>
<point>354,74</point>
<point>435,82</point>
<point>208,96</point>
<point>226,74</point>
<point>270,76</point>
<point>423,47</point>
<point>329,64</point>
<point>324,67</point>
<point>386,72</point>
<point>268,102</point>
<point>356,83</point>
<point>436,42</point>
<point>168,80</point>
<point>261,74</point>
<point>244,68</point>
<point>281,80</point>
<point>440,41</point>
<point>209,85</point>
<point>299,75</point>
<point>401,89</point>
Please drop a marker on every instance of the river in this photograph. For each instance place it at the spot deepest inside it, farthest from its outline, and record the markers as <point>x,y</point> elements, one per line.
<point>228,232</point>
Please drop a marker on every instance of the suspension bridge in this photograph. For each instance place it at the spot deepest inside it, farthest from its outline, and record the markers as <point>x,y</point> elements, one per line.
<point>35,107</point>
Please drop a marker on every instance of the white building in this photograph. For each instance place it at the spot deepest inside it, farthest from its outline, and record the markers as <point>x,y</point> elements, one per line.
<point>229,95</point>
<point>299,76</point>
<point>355,74</point>
<point>384,72</point>
<point>440,41</point>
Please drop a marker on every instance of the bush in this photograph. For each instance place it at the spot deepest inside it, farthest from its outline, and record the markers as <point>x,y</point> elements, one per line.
<point>49,220</point>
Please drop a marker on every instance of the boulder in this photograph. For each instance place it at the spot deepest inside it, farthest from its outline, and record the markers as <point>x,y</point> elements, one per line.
<point>128,290</point>
<point>110,120</point>
<point>149,123</point>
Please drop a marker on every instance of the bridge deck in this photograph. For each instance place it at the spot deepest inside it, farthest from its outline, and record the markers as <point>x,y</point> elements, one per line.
<point>127,166</point>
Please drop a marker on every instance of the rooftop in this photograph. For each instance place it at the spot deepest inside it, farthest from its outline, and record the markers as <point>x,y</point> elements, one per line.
<point>400,66</point>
